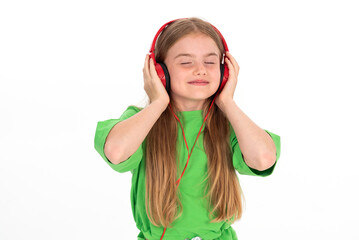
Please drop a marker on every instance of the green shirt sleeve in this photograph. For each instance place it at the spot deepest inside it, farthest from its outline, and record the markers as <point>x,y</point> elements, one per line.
<point>238,161</point>
<point>103,129</point>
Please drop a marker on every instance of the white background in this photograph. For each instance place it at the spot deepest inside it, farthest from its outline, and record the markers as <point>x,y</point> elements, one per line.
<point>64,65</point>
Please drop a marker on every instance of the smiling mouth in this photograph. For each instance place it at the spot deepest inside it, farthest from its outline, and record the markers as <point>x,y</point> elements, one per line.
<point>199,82</point>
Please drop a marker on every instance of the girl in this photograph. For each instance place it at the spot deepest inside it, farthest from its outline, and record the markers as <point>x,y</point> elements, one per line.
<point>184,148</point>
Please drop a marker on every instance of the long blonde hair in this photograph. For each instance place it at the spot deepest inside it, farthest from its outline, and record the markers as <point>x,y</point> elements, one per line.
<point>223,191</point>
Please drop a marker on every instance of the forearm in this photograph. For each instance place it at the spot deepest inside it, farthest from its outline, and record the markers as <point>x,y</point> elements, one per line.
<point>256,145</point>
<point>126,136</point>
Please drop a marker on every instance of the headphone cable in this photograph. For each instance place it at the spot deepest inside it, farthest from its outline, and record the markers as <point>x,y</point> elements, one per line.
<point>189,153</point>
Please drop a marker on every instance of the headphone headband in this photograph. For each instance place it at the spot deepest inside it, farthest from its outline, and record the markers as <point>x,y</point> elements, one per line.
<point>158,33</point>
<point>165,25</point>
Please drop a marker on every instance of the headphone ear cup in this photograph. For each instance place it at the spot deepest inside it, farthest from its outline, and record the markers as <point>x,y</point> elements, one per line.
<point>163,74</point>
<point>224,76</point>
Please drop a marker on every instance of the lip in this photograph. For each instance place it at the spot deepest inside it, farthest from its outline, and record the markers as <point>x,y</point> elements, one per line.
<point>199,82</point>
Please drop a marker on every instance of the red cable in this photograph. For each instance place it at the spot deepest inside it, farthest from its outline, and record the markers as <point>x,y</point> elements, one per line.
<point>189,153</point>
<point>163,233</point>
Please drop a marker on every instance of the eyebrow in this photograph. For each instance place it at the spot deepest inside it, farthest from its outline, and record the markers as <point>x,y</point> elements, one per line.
<point>191,55</point>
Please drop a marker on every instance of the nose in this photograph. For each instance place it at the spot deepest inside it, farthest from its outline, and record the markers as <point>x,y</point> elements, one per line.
<point>200,69</point>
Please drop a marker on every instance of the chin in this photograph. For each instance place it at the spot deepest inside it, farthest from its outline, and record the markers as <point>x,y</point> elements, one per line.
<point>200,96</point>
<point>193,94</point>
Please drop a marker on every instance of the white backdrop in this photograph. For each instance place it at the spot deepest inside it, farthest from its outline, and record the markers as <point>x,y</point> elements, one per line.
<point>64,65</point>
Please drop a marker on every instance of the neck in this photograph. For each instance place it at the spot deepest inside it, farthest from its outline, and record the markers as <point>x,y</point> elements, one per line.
<point>189,105</point>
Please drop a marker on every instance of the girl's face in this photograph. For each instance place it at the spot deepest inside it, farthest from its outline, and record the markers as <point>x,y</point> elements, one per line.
<point>193,63</point>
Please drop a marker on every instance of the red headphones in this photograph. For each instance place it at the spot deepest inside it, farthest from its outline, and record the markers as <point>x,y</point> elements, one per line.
<point>162,70</point>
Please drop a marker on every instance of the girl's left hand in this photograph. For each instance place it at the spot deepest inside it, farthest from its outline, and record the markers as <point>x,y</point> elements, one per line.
<point>228,90</point>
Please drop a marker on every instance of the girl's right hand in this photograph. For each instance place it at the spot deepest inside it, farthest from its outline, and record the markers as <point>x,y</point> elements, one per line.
<point>152,83</point>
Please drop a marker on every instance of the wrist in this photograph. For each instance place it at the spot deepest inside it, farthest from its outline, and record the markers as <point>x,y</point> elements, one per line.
<point>160,104</point>
<point>225,104</point>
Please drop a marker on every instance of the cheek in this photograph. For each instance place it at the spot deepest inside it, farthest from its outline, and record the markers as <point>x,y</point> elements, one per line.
<point>216,75</point>
<point>177,75</point>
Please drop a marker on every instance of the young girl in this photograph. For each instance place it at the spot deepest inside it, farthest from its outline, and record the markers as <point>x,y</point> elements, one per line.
<point>184,148</point>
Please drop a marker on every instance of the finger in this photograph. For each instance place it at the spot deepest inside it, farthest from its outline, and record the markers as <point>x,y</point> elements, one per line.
<point>145,67</point>
<point>229,63</point>
<point>230,66</point>
<point>153,71</point>
<point>233,61</point>
<point>232,73</point>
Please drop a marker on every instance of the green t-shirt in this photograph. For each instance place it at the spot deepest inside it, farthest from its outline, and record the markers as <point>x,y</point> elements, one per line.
<point>194,220</point>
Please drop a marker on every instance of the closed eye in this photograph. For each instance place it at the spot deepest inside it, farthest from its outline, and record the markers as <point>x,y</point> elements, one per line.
<point>186,63</point>
<point>209,62</point>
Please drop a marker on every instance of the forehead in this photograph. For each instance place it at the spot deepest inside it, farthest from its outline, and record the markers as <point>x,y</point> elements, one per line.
<point>194,44</point>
